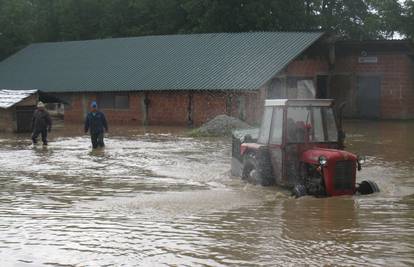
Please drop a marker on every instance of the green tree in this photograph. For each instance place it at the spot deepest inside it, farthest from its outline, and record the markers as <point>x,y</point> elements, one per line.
<point>407,20</point>
<point>16,24</point>
<point>26,21</point>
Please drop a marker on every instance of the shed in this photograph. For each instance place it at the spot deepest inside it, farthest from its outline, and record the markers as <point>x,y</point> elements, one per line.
<point>16,109</point>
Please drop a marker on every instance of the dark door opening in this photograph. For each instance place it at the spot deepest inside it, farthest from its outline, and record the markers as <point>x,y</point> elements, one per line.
<point>322,86</point>
<point>369,97</point>
<point>24,117</point>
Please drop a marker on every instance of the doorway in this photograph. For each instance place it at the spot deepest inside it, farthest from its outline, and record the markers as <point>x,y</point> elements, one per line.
<point>322,86</point>
<point>24,117</point>
<point>369,97</point>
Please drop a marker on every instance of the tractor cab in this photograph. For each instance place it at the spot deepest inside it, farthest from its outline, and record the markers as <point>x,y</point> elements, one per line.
<point>300,146</point>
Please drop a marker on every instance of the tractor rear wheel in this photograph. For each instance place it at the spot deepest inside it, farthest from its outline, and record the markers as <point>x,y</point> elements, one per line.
<point>256,172</point>
<point>367,187</point>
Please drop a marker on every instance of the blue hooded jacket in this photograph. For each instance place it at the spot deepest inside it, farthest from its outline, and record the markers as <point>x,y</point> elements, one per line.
<point>96,122</point>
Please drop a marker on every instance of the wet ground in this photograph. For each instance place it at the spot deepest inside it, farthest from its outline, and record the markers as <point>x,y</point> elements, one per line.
<point>157,197</point>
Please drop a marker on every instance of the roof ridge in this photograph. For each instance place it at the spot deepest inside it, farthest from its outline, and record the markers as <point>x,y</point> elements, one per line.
<point>176,35</point>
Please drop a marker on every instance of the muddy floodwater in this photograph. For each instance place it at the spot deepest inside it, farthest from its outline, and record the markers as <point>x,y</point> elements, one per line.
<point>155,197</point>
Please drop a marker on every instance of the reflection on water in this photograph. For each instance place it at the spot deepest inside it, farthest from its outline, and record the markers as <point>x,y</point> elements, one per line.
<point>156,197</point>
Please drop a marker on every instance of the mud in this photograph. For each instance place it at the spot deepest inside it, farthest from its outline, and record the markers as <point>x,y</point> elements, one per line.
<point>156,197</point>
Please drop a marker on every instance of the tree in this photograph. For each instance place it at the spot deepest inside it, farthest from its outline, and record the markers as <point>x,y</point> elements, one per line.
<point>16,24</point>
<point>25,21</point>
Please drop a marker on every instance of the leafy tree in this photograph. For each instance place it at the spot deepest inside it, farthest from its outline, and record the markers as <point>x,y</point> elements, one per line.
<point>407,20</point>
<point>26,21</point>
<point>16,24</point>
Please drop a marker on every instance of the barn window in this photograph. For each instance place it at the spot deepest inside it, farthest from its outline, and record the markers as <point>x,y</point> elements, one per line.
<point>122,101</point>
<point>300,88</point>
<point>113,101</point>
<point>106,101</point>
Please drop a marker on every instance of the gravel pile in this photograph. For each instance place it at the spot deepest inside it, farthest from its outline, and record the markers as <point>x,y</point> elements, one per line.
<point>222,125</point>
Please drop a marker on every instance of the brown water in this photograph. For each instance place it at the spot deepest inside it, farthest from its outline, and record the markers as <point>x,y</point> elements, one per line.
<point>156,197</point>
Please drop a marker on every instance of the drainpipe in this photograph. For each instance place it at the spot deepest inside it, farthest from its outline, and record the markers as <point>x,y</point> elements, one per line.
<point>145,108</point>
<point>331,61</point>
<point>84,105</point>
<point>229,104</point>
<point>190,122</point>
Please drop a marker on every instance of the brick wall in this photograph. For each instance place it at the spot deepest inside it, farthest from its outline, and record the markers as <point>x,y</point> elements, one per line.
<point>133,115</point>
<point>172,107</point>
<point>396,73</point>
<point>207,105</point>
<point>7,124</point>
<point>307,67</point>
<point>168,108</point>
<point>80,103</point>
<point>74,111</point>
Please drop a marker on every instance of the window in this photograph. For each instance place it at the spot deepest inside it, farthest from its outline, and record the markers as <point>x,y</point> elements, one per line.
<point>317,126</point>
<point>316,122</point>
<point>300,88</point>
<point>105,101</point>
<point>265,128</point>
<point>275,90</point>
<point>331,129</point>
<point>277,126</point>
<point>122,102</point>
<point>297,118</point>
<point>113,101</point>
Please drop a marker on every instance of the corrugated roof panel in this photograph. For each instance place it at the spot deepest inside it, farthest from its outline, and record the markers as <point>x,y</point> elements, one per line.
<point>9,98</point>
<point>216,61</point>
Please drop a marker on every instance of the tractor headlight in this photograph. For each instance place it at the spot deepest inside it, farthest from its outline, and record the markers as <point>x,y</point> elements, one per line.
<point>361,160</point>
<point>323,160</point>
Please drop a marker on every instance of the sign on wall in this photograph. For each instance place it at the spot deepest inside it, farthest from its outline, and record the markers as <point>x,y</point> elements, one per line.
<point>368,60</point>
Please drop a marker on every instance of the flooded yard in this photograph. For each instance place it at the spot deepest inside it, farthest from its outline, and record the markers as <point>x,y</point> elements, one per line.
<point>157,197</point>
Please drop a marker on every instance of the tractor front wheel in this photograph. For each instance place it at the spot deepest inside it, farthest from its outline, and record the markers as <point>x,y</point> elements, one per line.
<point>367,187</point>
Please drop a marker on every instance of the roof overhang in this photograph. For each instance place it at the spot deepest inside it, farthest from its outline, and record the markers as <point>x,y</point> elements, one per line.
<point>9,98</point>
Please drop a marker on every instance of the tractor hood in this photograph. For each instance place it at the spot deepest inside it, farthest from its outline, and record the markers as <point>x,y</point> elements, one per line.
<point>312,155</point>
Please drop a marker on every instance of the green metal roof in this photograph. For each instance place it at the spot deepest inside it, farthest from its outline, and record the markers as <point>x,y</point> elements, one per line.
<point>216,61</point>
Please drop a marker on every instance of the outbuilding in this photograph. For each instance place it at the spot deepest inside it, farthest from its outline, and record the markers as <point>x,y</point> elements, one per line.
<point>16,109</point>
<point>375,78</point>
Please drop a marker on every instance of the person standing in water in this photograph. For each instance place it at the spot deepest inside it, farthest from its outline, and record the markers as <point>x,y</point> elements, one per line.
<point>41,124</point>
<point>96,124</point>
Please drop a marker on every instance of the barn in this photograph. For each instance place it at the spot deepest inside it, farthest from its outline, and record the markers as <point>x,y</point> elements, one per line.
<point>189,79</point>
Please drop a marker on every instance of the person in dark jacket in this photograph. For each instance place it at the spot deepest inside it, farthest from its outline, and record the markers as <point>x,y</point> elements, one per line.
<point>96,124</point>
<point>41,124</point>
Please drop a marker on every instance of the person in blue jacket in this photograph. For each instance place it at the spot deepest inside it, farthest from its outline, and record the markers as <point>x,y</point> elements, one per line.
<point>96,124</point>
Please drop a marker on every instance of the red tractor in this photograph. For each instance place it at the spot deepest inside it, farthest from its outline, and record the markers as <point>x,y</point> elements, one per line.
<point>299,146</point>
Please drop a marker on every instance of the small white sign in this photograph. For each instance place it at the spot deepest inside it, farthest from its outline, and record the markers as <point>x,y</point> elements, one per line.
<point>368,60</point>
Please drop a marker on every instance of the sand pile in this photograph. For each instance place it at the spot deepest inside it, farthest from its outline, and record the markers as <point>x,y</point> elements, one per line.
<point>222,125</point>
